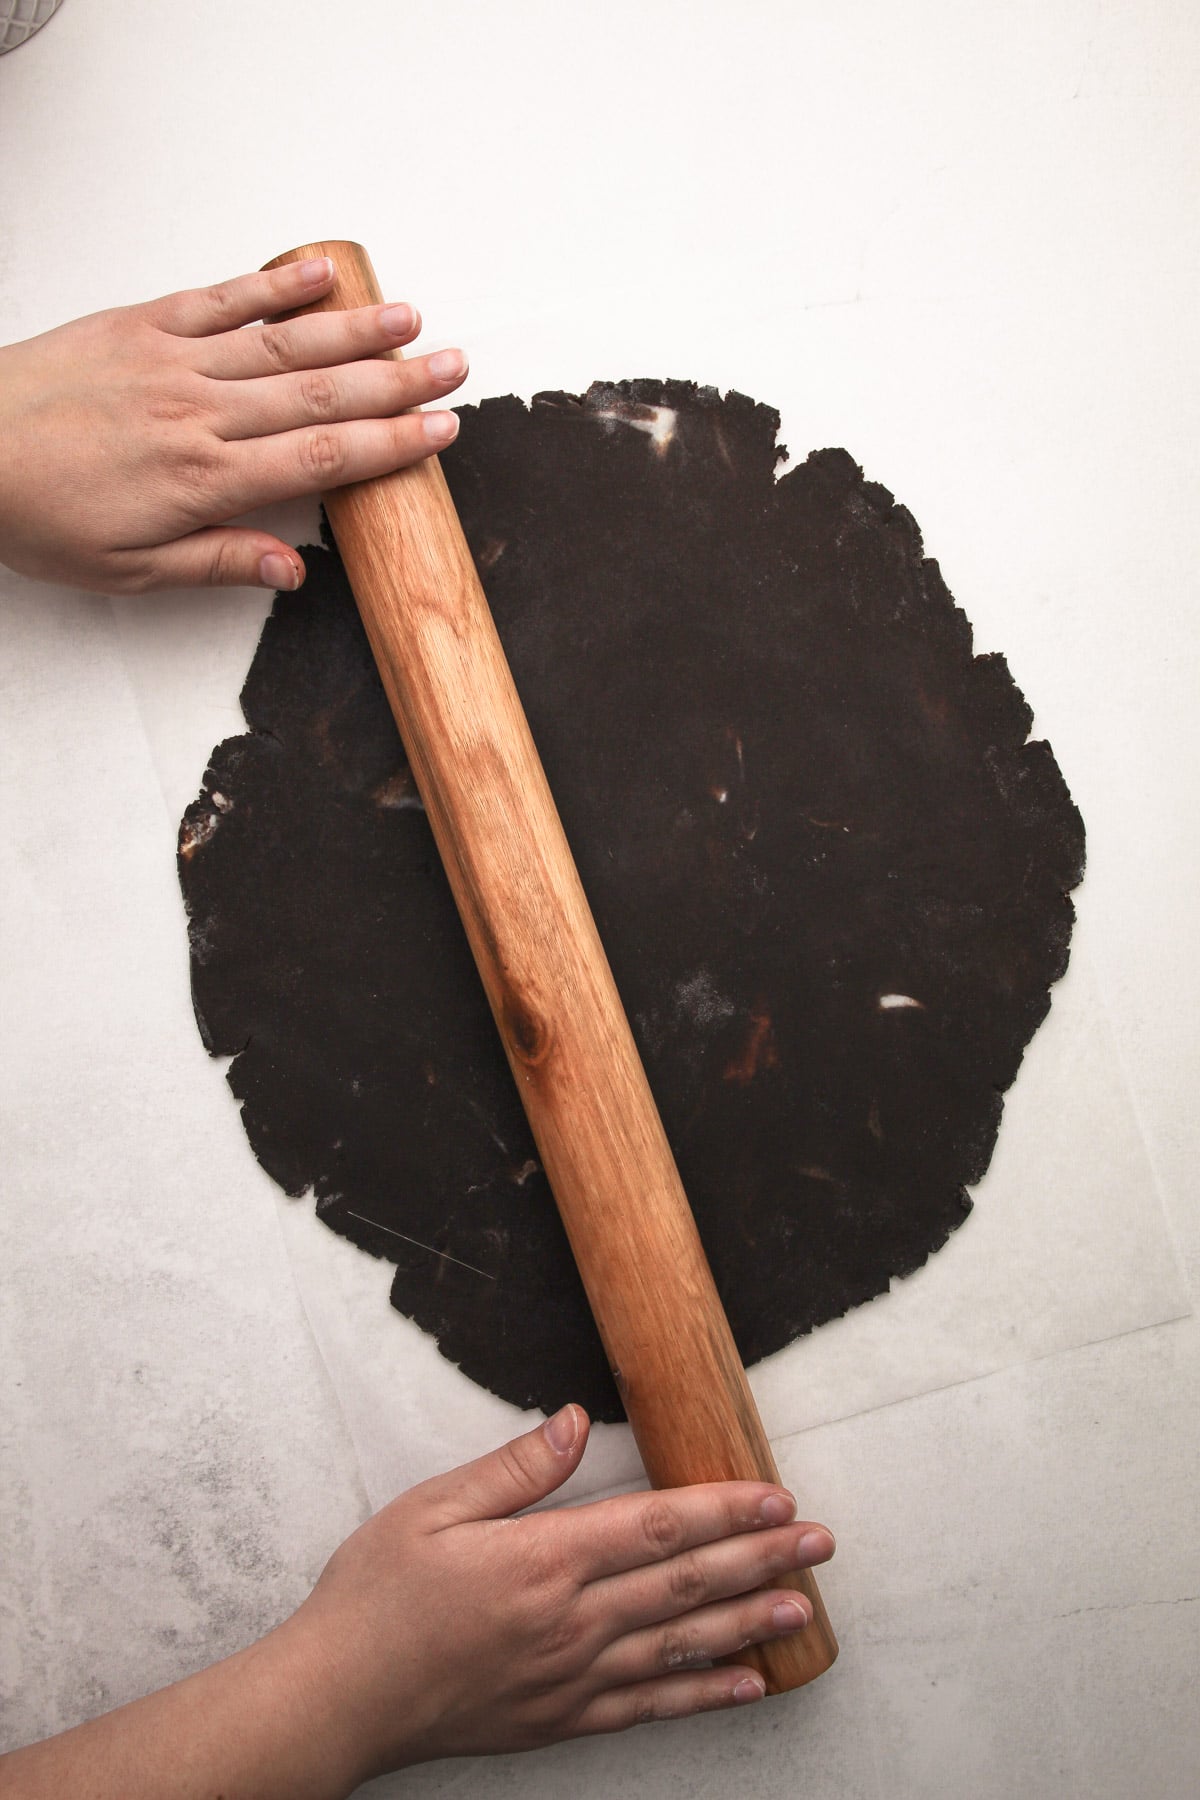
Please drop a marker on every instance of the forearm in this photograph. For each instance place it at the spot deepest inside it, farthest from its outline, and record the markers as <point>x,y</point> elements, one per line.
<point>260,1725</point>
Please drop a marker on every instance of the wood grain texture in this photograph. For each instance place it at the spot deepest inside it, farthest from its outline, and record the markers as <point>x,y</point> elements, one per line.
<point>549,985</point>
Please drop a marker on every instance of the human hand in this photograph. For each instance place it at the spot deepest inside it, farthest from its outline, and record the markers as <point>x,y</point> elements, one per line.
<point>129,436</point>
<point>447,1627</point>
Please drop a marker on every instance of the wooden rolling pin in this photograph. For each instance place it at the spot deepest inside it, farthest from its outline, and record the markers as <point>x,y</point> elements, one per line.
<point>547,978</point>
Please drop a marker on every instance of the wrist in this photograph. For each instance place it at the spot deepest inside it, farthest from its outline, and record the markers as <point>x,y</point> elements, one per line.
<point>311,1743</point>
<point>356,1703</point>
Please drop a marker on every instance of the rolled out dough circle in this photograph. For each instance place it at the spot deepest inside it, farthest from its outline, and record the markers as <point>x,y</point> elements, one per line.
<point>830,870</point>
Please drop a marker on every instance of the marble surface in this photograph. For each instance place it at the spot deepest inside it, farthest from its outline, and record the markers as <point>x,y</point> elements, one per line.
<point>956,240</point>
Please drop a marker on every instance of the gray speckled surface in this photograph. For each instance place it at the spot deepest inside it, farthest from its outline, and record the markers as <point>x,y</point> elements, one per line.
<point>956,239</point>
<point>176,1468</point>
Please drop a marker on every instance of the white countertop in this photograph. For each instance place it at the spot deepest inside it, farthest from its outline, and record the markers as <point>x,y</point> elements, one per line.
<point>960,241</point>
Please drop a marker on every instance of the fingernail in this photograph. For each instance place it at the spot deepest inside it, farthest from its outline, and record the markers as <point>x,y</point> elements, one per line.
<point>447,364</point>
<point>750,1687</point>
<point>812,1546</point>
<point>315,270</point>
<point>562,1430</point>
<point>777,1509</point>
<point>441,428</point>
<point>277,571</point>
<point>789,1615</point>
<point>398,319</point>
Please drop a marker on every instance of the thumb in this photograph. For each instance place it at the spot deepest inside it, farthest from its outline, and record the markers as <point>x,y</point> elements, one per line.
<point>220,556</point>
<point>517,1475</point>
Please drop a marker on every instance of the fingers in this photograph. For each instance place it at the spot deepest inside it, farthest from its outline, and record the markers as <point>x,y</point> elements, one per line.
<point>671,1697</point>
<point>644,1671</point>
<point>703,1636</point>
<point>376,388</point>
<point>198,312</point>
<point>613,1535</point>
<point>316,341</point>
<point>505,1481</point>
<point>311,461</point>
<point>716,1571</point>
<point>216,557</point>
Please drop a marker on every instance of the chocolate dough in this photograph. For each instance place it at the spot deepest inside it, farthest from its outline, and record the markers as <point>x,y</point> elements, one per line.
<point>830,872</point>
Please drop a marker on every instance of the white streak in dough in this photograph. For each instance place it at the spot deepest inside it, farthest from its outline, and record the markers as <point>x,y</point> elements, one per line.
<point>444,1254</point>
<point>659,424</point>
